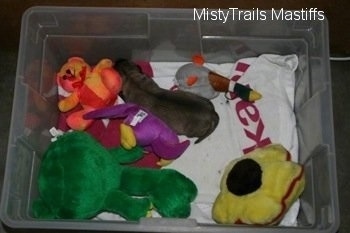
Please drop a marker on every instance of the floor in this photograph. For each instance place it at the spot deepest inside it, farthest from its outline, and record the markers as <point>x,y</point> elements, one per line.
<point>340,82</point>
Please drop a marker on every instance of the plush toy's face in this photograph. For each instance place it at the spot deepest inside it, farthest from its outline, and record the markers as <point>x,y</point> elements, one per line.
<point>194,78</point>
<point>259,187</point>
<point>73,74</point>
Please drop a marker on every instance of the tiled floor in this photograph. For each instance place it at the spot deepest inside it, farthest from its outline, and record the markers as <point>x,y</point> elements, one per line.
<point>341,103</point>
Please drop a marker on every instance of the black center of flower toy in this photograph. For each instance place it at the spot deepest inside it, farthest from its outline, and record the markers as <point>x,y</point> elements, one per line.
<point>244,177</point>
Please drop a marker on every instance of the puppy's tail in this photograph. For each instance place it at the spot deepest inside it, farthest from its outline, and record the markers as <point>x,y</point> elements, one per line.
<point>214,123</point>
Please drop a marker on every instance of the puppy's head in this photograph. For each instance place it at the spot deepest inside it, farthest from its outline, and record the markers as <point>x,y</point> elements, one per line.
<point>126,66</point>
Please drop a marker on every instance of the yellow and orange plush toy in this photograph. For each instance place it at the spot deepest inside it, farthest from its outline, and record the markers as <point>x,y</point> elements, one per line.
<point>92,88</point>
<point>259,187</point>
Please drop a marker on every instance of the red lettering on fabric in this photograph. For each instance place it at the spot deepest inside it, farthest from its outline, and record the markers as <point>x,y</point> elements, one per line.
<point>248,114</point>
<point>242,67</point>
<point>245,111</point>
<point>256,137</point>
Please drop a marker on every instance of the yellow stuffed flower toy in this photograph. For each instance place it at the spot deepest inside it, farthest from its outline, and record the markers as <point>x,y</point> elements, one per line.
<point>259,187</point>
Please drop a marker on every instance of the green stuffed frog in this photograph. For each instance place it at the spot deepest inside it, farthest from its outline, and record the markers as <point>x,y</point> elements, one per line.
<point>79,178</point>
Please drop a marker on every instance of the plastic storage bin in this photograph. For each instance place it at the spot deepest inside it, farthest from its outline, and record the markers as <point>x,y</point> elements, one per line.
<point>49,35</point>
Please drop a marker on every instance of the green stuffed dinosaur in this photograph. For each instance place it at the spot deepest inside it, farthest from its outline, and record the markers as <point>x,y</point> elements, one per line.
<point>79,178</point>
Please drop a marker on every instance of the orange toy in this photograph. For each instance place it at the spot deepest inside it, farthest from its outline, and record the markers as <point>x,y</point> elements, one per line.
<point>92,88</point>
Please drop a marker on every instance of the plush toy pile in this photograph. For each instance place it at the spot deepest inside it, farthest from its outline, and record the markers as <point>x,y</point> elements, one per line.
<point>84,174</point>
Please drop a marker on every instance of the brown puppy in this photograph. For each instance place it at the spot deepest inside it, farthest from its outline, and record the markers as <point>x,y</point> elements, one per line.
<point>186,113</point>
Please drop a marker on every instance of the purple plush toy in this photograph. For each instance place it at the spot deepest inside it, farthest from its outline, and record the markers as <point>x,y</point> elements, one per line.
<point>144,129</point>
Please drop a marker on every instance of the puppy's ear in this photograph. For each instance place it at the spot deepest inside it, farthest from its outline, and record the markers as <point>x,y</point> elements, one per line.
<point>140,69</point>
<point>121,94</point>
<point>119,61</point>
<point>122,65</point>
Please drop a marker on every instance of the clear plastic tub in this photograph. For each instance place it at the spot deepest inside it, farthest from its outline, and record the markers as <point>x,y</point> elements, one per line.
<point>49,35</point>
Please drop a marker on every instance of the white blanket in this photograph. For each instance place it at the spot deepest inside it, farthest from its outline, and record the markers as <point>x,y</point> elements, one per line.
<point>243,126</point>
